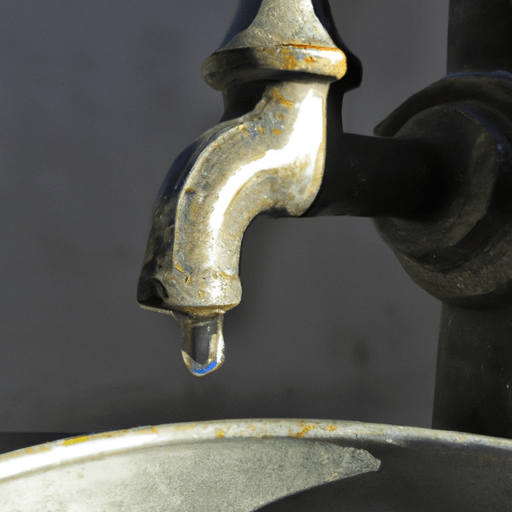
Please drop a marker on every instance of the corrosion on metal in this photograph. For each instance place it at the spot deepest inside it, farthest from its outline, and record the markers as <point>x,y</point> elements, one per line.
<point>256,463</point>
<point>270,158</point>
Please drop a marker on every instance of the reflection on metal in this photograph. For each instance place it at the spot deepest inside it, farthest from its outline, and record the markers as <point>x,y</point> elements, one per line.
<point>437,183</point>
<point>261,464</point>
<point>267,156</point>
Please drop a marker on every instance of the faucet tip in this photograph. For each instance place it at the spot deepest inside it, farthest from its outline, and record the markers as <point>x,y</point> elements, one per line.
<point>203,342</point>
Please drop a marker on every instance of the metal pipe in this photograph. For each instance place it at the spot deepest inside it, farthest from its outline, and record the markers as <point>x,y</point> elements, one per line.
<point>437,181</point>
<point>474,370</point>
<point>479,36</point>
<point>267,155</point>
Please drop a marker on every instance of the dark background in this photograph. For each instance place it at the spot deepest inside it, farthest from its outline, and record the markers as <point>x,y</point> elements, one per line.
<point>96,100</point>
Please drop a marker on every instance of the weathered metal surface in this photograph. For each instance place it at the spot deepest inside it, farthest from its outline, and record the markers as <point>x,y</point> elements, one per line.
<point>284,36</point>
<point>275,464</point>
<point>439,182</point>
<point>188,467</point>
<point>269,157</point>
<point>462,254</point>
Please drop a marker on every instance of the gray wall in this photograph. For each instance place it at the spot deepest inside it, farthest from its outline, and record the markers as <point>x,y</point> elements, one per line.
<point>96,100</point>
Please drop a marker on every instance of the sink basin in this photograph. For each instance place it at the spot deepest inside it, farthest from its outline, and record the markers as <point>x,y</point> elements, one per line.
<point>281,465</point>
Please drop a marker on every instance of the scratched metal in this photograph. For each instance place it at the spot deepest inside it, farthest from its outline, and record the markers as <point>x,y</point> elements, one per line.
<point>261,464</point>
<point>267,158</point>
<point>189,467</point>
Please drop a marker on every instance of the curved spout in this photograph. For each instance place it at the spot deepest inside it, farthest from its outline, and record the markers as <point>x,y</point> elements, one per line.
<point>268,155</point>
<point>269,159</point>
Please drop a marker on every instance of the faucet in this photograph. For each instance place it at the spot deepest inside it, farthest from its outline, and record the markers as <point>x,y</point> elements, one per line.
<point>436,180</point>
<point>266,155</point>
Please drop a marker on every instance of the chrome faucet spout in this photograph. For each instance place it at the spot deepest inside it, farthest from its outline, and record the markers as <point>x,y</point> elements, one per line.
<point>268,157</point>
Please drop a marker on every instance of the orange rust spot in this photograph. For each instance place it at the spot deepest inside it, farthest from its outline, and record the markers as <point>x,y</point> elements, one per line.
<point>303,431</point>
<point>220,434</point>
<point>260,128</point>
<point>75,440</point>
<point>223,274</point>
<point>314,47</point>
<point>310,59</point>
<point>187,279</point>
<point>178,267</point>
<point>276,132</point>
<point>189,190</point>
<point>331,428</point>
<point>290,62</point>
<point>280,116</point>
<point>243,129</point>
<point>154,430</point>
<point>277,96</point>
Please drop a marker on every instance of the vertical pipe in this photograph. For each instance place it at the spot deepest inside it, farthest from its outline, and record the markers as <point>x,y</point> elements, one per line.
<point>474,371</point>
<point>479,35</point>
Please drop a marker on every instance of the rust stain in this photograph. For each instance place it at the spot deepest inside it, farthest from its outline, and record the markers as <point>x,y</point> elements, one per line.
<point>314,47</point>
<point>190,190</point>
<point>220,434</point>
<point>305,429</point>
<point>154,430</point>
<point>310,59</point>
<point>331,428</point>
<point>178,267</point>
<point>37,449</point>
<point>276,132</point>
<point>75,440</point>
<point>260,128</point>
<point>277,96</point>
<point>290,62</point>
<point>187,279</point>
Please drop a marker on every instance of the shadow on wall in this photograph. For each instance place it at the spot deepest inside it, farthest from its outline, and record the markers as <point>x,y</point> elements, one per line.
<point>96,100</point>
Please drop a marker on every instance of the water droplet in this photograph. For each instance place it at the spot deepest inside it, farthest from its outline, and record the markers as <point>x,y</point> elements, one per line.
<point>203,342</point>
